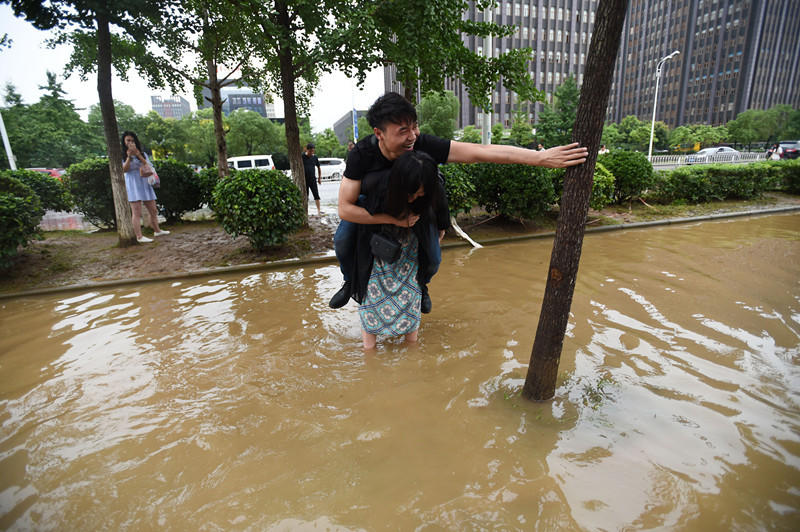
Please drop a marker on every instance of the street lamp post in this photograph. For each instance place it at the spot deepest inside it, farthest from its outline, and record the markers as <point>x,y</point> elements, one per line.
<point>655,101</point>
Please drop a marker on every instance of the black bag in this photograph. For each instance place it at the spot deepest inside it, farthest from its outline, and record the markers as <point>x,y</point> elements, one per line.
<point>384,247</point>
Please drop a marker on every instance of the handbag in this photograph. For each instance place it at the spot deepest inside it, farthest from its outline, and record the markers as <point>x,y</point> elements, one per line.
<point>384,247</point>
<point>146,170</point>
<point>154,180</point>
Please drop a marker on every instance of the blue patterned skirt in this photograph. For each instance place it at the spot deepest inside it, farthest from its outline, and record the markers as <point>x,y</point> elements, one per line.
<point>391,305</point>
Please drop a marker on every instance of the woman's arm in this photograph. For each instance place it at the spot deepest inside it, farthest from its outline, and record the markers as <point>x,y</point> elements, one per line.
<point>350,211</point>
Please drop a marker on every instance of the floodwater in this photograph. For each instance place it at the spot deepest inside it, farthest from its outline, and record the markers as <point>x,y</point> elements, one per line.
<point>244,403</point>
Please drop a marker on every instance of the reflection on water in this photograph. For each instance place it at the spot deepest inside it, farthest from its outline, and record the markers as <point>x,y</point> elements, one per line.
<point>245,403</point>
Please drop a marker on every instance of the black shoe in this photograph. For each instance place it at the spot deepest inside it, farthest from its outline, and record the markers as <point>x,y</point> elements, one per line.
<point>427,304</point>
<point>341,297</point>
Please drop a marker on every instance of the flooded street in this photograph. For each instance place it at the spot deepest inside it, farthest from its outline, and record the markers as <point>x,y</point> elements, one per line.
<point>243,402</point>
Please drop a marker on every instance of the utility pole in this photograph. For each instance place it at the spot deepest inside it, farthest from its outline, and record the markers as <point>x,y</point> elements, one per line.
<point>11,163</point>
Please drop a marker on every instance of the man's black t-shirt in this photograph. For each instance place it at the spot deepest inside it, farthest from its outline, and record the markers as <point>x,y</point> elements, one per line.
<point>366,157</point>
<point>309,164</point>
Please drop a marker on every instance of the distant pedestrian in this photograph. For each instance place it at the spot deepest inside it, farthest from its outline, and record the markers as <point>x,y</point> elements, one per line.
<point>309,162</point>
<point>540,147</point>
<point>138,187</point>
<point>603,149</point>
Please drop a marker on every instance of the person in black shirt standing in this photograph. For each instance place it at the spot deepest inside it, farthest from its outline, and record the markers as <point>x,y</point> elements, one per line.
<point>395,131</point>
<point>309,162</point>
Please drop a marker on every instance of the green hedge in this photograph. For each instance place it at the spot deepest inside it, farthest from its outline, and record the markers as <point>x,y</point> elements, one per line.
<point>263,205</point>
<point>603,188</point>
<point>513,190</point>
<point>716,182</point>
<point>459,186</point>
<point>633,173</point>
<point>787,174</point>
<point>20,214</point>
<point>89,182</point>
<point>52,192</point>
<point>208,178</point>
<point>181,189</point>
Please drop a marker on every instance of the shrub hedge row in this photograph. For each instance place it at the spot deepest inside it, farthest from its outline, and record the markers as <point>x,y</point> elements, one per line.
<point>20,214</point>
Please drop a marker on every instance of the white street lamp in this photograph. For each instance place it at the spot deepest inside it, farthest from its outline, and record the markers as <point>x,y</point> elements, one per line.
<point>655,101</point>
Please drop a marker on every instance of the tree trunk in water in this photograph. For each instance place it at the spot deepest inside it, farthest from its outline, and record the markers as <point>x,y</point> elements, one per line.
<point>540,382</point>
<point>122,209</point>
<point>290,112</point>
<point>219,130</point>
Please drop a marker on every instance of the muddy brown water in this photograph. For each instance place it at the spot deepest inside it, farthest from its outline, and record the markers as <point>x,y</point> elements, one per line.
<point>244,403</point>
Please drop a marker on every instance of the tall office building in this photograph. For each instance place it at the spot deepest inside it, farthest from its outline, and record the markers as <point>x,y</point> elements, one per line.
<point>170,107</point>
<point>734,55</point>
<point>242,97</point>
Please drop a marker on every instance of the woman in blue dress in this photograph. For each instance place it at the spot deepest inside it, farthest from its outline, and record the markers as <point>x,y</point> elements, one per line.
<point>138,188</point>
<point>390,301</point>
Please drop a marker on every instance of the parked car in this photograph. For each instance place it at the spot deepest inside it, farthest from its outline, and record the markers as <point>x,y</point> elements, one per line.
<point>52,172</point>
<point>720,154</point>
<point>332,168</point>
<point>790,149</point>
<point>246,162</point>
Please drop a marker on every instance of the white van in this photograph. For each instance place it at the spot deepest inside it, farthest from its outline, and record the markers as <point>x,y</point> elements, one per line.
<point>247,162</point>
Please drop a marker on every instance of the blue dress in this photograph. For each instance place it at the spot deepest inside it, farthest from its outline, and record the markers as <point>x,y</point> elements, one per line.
<point>391,305</point>
<point>136,186</point>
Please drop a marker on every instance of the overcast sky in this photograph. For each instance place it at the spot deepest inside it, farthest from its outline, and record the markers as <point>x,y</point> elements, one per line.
<point>25,65</point>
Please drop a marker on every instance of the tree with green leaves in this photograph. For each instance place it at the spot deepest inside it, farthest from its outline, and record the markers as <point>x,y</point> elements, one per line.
<point>328,144</point>
<point>521,130</point>
<point>437,112</point>
<point>470,134</point>
<point>423,39</point>
<point>297,41</point>
<point>540,382</point>
<point>87,25</point>
<point>557,119</point>
<point>744,129</point>
<point>49,133</point>
<point>612,135</point>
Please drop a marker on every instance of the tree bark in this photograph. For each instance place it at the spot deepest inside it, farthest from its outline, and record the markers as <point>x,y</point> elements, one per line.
<point>290,110</point>
<point>540,382</point>
<point>219,130</point>
<point>122,209</point>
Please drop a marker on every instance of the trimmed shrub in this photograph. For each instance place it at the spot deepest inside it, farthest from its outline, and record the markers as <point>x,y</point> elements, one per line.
<point>180,191</point>
<point>263,205</point>
<point>633,173</point>
<point>89,182</point>
<point>20,214</point>
<point>602,188</point>
<point>513,190</point>
<point>787,174</point>
<point>702,184</point>
<point>52,192</point>
<point>459,187</point>
<point>208,178</point>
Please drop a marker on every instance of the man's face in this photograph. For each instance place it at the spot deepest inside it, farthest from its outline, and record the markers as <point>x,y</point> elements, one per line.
<point>310,151</point>
<point>396,139</point>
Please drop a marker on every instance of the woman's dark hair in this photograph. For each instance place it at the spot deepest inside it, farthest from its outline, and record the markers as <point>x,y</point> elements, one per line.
<point>391,107</point>
<point>135,140</point>
<point>410,171</point>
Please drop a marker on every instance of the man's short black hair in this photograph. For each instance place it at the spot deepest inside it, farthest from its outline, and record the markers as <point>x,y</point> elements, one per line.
<point>393,108</point>
<point>310,146</point>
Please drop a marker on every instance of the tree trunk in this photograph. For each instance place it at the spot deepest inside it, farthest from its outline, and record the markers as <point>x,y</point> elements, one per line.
<point>219,130</point>
<point>122,209</point>
<point>540,382</point>
<point>290,111</point>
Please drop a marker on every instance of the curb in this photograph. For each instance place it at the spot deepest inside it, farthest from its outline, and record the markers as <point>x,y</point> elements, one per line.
<point>330,258</point>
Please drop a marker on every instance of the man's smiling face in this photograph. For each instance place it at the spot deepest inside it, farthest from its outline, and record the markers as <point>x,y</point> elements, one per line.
<point>396,139</point>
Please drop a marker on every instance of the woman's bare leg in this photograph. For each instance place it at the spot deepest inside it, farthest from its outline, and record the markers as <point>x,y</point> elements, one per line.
<point>151,210</point>
<point>411,337</point>
<point>136,218</point>
<point>370,340</point>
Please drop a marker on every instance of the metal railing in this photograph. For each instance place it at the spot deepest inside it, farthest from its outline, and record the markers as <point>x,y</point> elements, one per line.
<point>679,160</point>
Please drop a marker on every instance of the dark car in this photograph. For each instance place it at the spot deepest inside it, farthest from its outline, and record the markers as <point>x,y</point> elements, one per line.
<point>790,149</point>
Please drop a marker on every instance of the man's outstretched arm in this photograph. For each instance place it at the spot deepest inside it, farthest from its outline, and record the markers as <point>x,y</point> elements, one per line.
<point>557,157</point>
